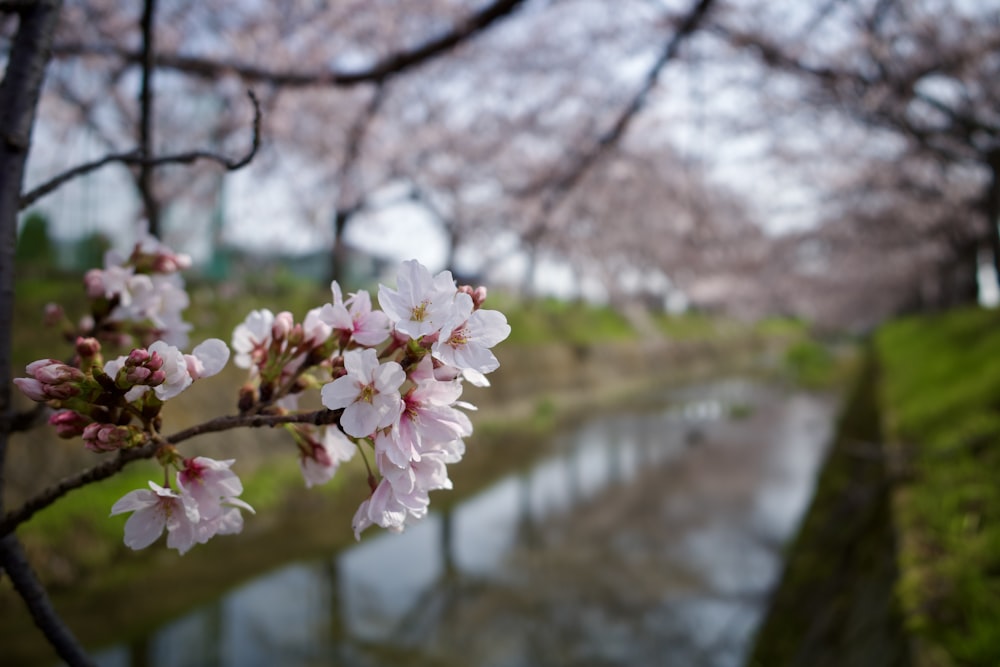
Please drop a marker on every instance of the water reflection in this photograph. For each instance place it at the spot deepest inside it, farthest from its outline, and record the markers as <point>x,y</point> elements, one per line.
<point>649,538</point>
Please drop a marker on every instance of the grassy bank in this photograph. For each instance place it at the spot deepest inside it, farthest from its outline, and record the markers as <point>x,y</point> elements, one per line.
<point>941,398</point>
<point>906,519</point>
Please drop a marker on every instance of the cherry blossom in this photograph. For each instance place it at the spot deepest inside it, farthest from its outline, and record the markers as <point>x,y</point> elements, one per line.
<point>252,338</point>
<point>421,304</point>
<point>428,417</point>
<point>214,489</point>
<point>323,457</point>
<point>356,318</point>
<point>155,510</point>
<point>467,337</point>
<point>369,393</point>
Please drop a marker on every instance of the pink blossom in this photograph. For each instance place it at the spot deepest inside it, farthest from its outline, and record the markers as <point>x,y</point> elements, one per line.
<point>325,456</point>
<point>213,488</point>
<point>209,483</point>
<point>369,393</point>
<point>421,304</point>
<point>356,318</point>
<point>252,338</point>
<point>207,359</point>
<point>467,337</point>
<point>383,509</point>
<point>155,510</point>
<point>427,418</point>
<point>315,329</point>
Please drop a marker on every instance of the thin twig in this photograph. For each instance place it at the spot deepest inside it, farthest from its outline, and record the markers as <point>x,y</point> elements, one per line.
<point>389,66</point>
<point>136,157</point>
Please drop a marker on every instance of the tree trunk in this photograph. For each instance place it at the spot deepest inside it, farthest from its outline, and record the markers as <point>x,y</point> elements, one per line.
<point>992,209</point>
<point>19,92</point>
<point>338,258</point>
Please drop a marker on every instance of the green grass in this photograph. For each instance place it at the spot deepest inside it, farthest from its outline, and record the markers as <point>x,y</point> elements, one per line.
<point>941,396</point>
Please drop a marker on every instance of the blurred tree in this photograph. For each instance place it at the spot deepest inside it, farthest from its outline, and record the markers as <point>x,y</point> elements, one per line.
<point>34,252</point>
<point>922,75</point>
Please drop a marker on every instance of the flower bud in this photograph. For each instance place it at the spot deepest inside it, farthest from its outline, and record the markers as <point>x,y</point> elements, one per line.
<point>31,388</point>
<point>138,375</point>
<point>87,348</point>
<point>93,280</point>
<point>479,296</point>
<point>282,326</point>
<point>53,314</point>
<point>50,380</point>
<point>68,423</point>
<point>155,361</point>
<point>58,373</point>
<point>108,437</point>
<point>137,357</point>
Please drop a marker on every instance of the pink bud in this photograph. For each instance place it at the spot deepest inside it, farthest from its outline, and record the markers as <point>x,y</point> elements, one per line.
<point>156,378</point>
<point>105,437</point>
<point>53,314</point>
<point>282,326</point>
<point>87,347</point>
<point>68,423</point>
<point>51,371</point>
<point>61,392</point>
<point>479,296</point>
<point>137,357</point>
<point>138,375</point>
<point>94,282</point>
<point>31,388</point>
<point>34,366</point>
<point>155,362</point>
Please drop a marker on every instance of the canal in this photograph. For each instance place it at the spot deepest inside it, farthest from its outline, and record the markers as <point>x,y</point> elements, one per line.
<point>651,536</point>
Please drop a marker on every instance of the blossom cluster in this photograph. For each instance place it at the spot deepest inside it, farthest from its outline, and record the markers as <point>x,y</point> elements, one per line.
<point>144,291</point>
<point>396,374</point>
<point>100,401</point>
<point>206,504</point>
<point>390,381</point>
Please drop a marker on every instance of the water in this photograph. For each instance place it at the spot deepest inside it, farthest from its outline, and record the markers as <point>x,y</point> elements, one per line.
<point>651,538</point>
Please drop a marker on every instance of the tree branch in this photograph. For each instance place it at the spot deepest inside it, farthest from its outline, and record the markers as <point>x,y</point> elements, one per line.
<point>389,66</point>
<point>148,450</point>
<point>136,157</point>
<point>558,189</point>
<point>16,565</point>
<point>146,109</point>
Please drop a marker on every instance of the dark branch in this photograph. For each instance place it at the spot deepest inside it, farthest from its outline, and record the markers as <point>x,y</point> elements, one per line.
<point>136,157</point>
<point>146,108</point>
<point>389,66</point>
<point>15,564</point>
<point>558,189</point>
<point>112,466</point>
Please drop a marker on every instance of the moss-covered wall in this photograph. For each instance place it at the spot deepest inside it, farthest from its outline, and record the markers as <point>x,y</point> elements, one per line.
<point>835,605</point>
